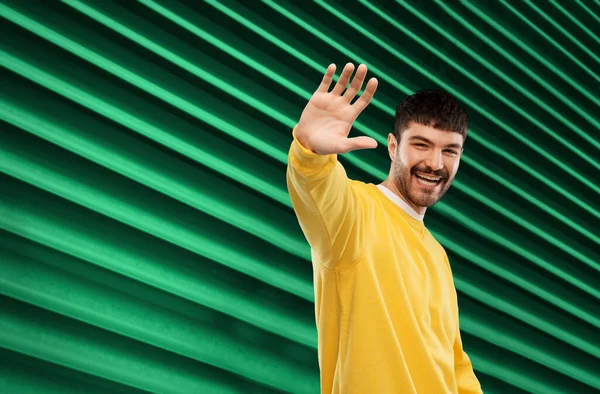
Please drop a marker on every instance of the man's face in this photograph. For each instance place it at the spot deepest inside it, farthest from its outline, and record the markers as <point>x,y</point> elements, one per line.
<point>424,163</point>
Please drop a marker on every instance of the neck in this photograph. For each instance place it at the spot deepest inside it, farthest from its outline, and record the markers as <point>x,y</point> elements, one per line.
<point>390,185</point>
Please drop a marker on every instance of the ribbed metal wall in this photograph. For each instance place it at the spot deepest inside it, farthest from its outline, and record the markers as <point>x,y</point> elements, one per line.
<point>148,243</point>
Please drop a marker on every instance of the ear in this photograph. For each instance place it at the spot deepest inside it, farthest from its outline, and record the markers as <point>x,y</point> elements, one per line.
<point>392,145</point>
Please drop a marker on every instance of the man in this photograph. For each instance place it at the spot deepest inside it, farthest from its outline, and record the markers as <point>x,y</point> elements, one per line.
<point>385,302</point>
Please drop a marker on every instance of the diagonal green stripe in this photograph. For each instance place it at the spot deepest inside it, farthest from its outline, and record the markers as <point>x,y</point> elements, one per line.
<point>534,229</point>
<point>441,83</point>
<point>500,338</point>
<point>51,289</point>
<point>180,21</point>
<point>143,171</point>
<point>474,133</point>
<point>575,20</point>
<point>118,114</point>
<point>499,73</point>
<point>534,200</point>
<point>558,27</point>
<point>530,73</point>
<point>525,284</point>
<point>488,233</point>
<point>550,40</point>
<point>252,63</point>
<point>590,12</point>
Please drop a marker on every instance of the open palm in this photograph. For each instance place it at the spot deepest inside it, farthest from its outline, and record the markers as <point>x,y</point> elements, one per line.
<point>327,118</point>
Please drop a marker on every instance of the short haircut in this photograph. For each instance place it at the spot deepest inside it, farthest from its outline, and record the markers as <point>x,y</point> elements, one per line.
<point>433,108</point>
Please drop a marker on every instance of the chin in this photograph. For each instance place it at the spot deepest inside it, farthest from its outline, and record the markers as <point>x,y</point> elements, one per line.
<point>426,200</point>
<point>425,203</point>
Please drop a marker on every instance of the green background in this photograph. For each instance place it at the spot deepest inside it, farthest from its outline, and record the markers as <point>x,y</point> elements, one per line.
<point>147,240</point>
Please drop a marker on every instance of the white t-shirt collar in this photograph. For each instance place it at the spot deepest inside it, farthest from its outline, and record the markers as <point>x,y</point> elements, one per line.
<point>400,202</point>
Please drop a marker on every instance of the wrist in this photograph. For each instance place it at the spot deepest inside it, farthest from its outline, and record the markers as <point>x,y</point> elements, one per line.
<point>302,140</point>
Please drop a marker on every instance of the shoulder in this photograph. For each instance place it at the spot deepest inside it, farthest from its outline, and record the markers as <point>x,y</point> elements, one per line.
<point>434,244</point>
<point>439,250</point>
<point>370,195</point>
<point>369,191</point>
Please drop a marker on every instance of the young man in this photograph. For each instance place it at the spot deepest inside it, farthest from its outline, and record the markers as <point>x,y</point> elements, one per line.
<point>385,302</point>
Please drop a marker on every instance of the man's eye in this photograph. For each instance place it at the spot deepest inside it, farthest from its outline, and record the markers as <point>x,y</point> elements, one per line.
<point>452,152</point>
<point>421,145</point>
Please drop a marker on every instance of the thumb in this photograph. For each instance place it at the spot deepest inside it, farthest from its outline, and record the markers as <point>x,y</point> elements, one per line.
<point>356,143</point>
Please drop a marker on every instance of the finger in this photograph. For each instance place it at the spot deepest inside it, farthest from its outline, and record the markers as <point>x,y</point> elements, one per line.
<point>344,78</point>
<point>366,97</point>
<point>327,78</point>
<point>357,82</point>
<point>356,143</point>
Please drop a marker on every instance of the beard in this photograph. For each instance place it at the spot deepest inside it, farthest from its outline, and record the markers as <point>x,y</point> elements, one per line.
<point>404,183</point>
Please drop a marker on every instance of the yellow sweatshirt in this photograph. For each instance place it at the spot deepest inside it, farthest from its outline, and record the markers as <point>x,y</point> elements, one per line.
<point>385,303</point>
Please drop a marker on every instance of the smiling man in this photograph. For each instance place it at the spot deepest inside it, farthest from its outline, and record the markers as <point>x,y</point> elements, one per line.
<point>426,160</point>
<point>385,303</point>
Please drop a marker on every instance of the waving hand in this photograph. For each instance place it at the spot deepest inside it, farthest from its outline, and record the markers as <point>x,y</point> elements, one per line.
<point>327,118</point>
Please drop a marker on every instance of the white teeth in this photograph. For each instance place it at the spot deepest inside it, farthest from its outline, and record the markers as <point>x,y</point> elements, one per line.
<point>429,178</point>
<point>428,183</point>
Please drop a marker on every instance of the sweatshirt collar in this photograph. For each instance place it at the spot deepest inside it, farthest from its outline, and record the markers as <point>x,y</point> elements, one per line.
<point>400,202</point>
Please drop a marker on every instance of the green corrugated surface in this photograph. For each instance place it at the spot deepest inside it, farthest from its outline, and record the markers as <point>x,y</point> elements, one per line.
<point>148,241</point>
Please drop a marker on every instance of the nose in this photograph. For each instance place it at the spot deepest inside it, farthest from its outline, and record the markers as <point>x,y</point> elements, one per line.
<point>434,160</point>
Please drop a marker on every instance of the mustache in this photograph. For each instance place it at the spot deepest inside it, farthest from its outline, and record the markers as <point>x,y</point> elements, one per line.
<point>429,171</point>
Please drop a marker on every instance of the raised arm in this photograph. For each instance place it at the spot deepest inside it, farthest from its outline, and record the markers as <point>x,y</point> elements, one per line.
<point>324,199</point>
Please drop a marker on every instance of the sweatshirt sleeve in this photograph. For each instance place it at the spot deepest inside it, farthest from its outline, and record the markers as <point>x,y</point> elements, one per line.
<point>466,380</point>
<point>326,204</point>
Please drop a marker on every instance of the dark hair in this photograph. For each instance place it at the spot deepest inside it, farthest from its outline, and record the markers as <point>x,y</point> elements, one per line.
<point>434,108</point>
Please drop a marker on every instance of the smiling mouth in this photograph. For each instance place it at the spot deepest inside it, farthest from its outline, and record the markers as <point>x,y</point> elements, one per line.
<point>428,180</point>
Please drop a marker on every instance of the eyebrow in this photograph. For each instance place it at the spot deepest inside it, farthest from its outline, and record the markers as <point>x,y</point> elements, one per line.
<point>420,138</point>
